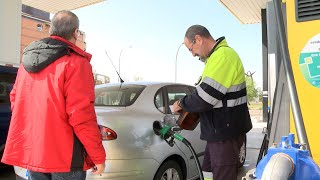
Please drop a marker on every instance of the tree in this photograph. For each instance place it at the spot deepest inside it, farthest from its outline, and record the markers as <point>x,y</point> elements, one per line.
<point>260,93</point>
<point>252,92</point>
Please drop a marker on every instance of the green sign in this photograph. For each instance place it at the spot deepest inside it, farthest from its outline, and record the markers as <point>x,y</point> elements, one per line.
<point>309,61</point>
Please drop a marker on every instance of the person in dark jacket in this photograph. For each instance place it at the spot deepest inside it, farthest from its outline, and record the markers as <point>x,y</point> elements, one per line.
<point>53,131</point>
<point>221,101</point>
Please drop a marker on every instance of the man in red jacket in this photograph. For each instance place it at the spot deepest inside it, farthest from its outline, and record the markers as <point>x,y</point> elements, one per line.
<point>53,131</point>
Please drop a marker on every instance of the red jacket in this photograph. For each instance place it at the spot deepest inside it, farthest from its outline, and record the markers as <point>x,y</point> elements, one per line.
<point>52,105</point>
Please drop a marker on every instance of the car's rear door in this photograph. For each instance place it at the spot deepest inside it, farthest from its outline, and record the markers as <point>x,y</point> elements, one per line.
<point>174,93</point>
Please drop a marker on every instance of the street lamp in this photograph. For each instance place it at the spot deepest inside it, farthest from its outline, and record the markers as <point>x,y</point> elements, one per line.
<point>120,57</point>
<point>175,64</point>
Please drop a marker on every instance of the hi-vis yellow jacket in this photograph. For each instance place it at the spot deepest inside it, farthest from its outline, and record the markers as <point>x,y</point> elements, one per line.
<point>221,97</point>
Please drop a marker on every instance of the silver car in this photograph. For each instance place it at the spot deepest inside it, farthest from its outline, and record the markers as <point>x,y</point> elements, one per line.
<point>125,114</point>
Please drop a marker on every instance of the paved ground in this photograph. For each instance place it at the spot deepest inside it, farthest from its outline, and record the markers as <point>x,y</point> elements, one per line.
<point>253,145</point>
<point>254,141</point>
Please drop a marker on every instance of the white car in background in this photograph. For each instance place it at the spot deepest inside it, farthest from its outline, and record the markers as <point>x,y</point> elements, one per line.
<point>125,114</point>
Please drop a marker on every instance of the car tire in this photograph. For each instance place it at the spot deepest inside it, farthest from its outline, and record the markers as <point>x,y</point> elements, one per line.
<point>243,152</point>
<point>169,170</point>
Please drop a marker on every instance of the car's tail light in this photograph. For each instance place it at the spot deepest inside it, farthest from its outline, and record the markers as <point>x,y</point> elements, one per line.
<point>107,133</point>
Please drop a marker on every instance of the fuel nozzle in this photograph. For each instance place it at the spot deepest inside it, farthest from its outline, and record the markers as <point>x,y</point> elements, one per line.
<point>167,130</point>
<point>162,130</point>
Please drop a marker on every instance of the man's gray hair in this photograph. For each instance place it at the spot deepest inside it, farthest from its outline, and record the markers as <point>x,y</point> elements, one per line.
<point>63,24</point>
<point>194,30</point>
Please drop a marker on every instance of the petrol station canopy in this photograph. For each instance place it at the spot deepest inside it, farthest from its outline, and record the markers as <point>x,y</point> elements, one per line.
<point>247,11</point>
<point>54,6</point>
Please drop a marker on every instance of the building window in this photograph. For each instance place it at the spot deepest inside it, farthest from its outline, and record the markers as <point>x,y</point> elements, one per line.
<point>39,27</point>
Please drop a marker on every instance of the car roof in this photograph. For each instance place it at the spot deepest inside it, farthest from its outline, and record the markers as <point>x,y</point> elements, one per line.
<point>145,101</point>
<point>145,83</point>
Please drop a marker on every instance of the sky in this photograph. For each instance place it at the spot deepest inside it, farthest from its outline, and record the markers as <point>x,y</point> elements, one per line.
<point>145,36</point>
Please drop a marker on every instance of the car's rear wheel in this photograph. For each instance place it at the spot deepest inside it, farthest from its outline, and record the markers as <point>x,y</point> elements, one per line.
<point>243,152</point>
<point>169,170</point>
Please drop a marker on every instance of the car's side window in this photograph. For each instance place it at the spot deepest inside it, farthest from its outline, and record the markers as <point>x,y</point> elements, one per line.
<point>175,93</point>
<point>159,101</point>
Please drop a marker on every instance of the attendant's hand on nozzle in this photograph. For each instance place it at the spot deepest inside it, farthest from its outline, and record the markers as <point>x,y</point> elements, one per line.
<point>176,107</point>
<point>98,169</point>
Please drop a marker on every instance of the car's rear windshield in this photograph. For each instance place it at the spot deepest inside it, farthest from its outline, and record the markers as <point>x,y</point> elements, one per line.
<point>124,95</point>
